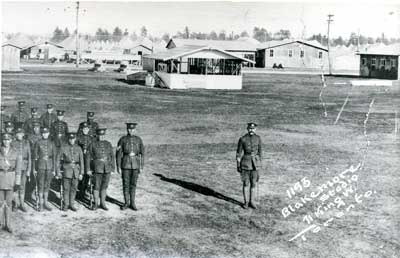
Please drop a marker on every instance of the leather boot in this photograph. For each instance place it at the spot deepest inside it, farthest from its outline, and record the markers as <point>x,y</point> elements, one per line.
<point>46,202</point>
<point>103,195</point>
<point>2,213</point>
<point>245,203</point>
<point>96,199</point>
<point>126,198</point>
<point>40,201</point>
<point>252,196</point>
<point>22,200</point>
<point>133,205</point>
<point>7,221</point>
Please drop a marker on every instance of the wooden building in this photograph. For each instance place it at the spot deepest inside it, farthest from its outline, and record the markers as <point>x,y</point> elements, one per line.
<point>380,62</point>
<point>241,48</point>
<point>196,67</point>
<point>45,51</point>
<point>291,53</point>
<point>10,57</point>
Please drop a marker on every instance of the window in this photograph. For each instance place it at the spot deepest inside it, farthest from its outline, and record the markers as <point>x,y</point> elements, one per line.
<point>373,61</point>
<point>271,52</point>
<point>320,54</point>
<point>301,53</point>
<point>139,53</point>
<point>290,53</point>
<point>364,61</point>
<point>383,62</point>
<point>127,51</point>
<point>393,62</point>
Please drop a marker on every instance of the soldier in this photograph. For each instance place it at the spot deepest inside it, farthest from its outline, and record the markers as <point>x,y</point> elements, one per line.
<point>4,118</point>
<point>9,129</point>
<point>130,158</point>
<point>84,140</point>
<point>59,130</point>
<point>49,117</point>
<point>249,162</point>
<point>10,176</point>
<point>93,126</point>
<point>19,116</point>
<point>33,138</point>
<point>71,157</point>
<point>101,154</point>
<point>28,127</point>
<point>44,153</point>
<point>24,151</point>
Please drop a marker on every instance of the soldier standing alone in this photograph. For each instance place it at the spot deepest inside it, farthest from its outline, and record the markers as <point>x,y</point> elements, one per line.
<point>249,162</point>
<point>101,154</point>
<point>130,159</point>
<point>44,153</point>
<point>71,158</point>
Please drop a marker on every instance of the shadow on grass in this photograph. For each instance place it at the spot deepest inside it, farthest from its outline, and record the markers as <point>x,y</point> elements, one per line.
<point>198,188</point>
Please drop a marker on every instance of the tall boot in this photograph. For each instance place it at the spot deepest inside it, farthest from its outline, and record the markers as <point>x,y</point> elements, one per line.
<point>15,201</point>
<point>40,201</point>
<point>103,195</point>
<point>96,199</point>
<point>7,221</point>
<point>126,198</point>
<point>245,203</point>
<point>22,200</point>
<point>133,193</point>
<point>252,197</point>
<point>2,214</point>
<point>46,201</point>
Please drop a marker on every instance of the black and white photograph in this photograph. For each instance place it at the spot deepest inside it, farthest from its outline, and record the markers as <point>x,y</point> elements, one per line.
<point>200,129</point>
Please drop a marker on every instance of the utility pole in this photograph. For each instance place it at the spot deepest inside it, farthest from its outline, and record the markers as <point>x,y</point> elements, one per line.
<point>77,34</point>
<point>329,57</point>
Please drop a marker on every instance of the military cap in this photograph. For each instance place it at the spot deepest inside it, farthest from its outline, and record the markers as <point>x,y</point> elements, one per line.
<point>19,130</point>
<point>34,110</point>
<point>8,124</point>
<point>71,135</point>
<point>6,136</point>
<point>36,124</point>
<point>131,125</point>
<point>251,125</point>
<point>60,112</point>
<point>3,108</point>
<point>90,114</point>
<point>21,103</point>
<point>49,106</point>
<point>85,125</point>
<point>44,130</point>
<point>101,131</point>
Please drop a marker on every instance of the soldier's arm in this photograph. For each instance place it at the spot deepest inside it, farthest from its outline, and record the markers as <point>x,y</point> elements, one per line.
<point>28,172</point>
<point>88,156</point>
<point>239,154</point>
<point>66,129</point>
<point>118,154</point>
<point>54,158</point>
<point>112,157</point>
<point>260,152</point>
<point>141,154</point>
<point>18,166</point>
<point>81,165</point>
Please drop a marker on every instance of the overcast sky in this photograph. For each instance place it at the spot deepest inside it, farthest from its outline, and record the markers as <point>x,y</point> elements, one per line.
<point>371,19</point>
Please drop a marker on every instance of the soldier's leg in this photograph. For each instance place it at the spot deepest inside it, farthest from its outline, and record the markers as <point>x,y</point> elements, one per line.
<point>47,182</point>
<point>132,190</point>
<point>103,191</point>
<point>246,183</point>
<point>126,178</point>
<point>8,200</point>
<point>66,185</point>
<point>41,181</point>
<point>253,183</point>
<point>97,184</point>
<point>72,195</point>
<point>21,192</point>
<point>2,207</point>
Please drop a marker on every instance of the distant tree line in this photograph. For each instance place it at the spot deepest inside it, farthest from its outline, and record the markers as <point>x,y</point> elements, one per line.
<point>259,33</point>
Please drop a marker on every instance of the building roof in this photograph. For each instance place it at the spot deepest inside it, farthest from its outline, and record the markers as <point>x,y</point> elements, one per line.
<point>227,45</point>
<point>184,51</point>
<point>45,43</point>
<point>382,49</point>
<point>20,40</point>
<point>10,44</point>
<point>278,43</point>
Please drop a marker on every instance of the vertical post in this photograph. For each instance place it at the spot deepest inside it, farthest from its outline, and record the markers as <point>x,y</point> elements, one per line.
<point>180,65</point>
<point>77,34</point>
<point>329,56</point>
<point>206,65</point>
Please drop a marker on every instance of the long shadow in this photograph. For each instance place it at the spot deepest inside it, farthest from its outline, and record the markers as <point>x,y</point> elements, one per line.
<point>114,201</point>
<point>198,189</point>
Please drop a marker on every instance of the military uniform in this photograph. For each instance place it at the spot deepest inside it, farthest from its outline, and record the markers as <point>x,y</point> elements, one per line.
<point>33,138</point>
<point>19,116</point>
<point>100,153</point>
<point>10,176</point>
<point>71,158</point>
<point>130,159</point>
<point>44,153</point>
<point>93,126</point>
<point>24,151</point>
<point>3,119</point>
<point>59,131</point>
<point>28,126</point>
<point>249,161</point>
<point>9,129</point>
<point>84,140</point>
<point>48,118</point>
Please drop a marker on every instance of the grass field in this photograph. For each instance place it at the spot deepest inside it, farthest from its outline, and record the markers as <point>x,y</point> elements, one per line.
<point>189,193</point>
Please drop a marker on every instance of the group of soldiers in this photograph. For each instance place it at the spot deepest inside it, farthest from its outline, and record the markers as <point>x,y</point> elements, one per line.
<point>37,148</point>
